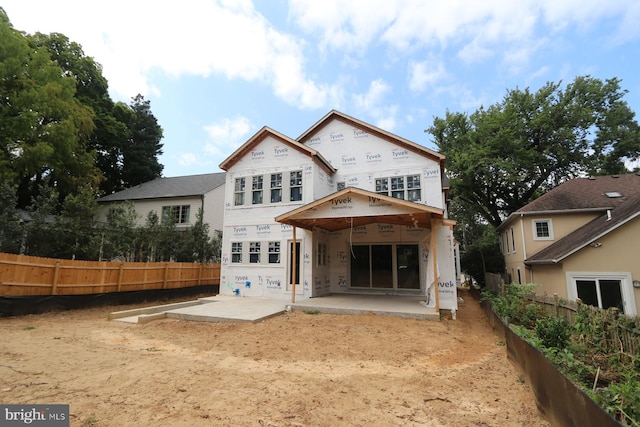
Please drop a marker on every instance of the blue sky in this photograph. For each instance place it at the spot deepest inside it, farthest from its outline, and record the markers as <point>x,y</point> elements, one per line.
<point>215,72</point>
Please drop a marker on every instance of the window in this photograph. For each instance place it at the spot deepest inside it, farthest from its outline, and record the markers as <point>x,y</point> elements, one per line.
<point>254,252</point>
<point>236,252</point>
<point>295,186</point>
<point>322,254</point>
<point>179,214</point>
<point>256,190</point>
<point>513,240</point>
<point>397,187</point>
<point>402,187</point>
<point>238,192</point>
<point>542,229</point>
<point>274,252</point>
<point>276,187</point>
<point>382,186</point>
<point>603,290</point>
<point>413,188</point>
<point>600,293</point>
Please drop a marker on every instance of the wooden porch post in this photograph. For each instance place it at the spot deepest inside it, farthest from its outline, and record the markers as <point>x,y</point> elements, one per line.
<point>293,267</point>
<point>435,263</point>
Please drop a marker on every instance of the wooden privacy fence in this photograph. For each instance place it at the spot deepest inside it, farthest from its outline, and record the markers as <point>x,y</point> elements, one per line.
<point>22,275</point>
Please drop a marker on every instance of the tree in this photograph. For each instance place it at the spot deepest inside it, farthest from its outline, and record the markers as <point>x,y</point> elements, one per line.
<point>503,157</point>
<point>10,230</point>
<point>43,129</point>
<point>92,90</point>
<point>143,146</point>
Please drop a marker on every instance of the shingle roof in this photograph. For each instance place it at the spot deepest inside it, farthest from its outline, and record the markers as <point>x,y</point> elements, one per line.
<point>179,186</point>
<point>627,210</point>
<point>614,195</point>
<point>586,193</point>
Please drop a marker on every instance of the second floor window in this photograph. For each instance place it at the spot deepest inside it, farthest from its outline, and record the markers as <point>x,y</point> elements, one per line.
<point>401,187</point>
<point>295,186</point>
<point>276,187</point>
<point>238,192</point>
<point>542,229</point>
<point>256,190</point>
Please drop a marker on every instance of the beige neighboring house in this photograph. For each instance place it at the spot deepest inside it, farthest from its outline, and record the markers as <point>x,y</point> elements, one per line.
<point>181,195</point>
<point>580,240</point>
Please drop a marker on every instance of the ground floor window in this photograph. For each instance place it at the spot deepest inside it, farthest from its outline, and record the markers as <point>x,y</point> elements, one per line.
<point>385,266</point>
<point>604,291</point>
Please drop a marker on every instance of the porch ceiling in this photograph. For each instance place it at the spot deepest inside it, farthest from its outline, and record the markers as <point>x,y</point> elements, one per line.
<point>353,207</point>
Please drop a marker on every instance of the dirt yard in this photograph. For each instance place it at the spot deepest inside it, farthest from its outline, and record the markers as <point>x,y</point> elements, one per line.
<point>297,369</point>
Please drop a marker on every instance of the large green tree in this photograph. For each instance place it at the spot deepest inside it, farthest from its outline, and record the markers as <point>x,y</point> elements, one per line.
<point>142,148</point>
<point>110,135</point>
<point>502,157</point>
<point>44,129</point>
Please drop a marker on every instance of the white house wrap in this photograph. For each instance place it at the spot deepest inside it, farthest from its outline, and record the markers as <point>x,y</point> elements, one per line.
<point>368,209</point>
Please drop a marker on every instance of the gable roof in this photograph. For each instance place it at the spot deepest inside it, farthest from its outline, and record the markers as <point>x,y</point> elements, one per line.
<point>353,207</point>
<point>161,188</point>
<point>627,210</point>
<point>380,133</point>
<point>266,132</point>
<point>582,195</point>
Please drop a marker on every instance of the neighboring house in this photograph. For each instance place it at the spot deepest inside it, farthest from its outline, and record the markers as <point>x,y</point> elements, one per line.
<point>580,240</point>
<point>344,208</point>
<point>182,196</point>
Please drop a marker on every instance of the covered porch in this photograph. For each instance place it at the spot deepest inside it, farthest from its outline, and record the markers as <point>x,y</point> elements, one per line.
<point>380,247</point>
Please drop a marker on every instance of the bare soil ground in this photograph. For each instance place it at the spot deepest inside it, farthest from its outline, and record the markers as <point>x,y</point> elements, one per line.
<point>296,369</point>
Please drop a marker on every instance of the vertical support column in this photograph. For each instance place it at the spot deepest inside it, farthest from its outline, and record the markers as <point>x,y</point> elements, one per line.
<point>293,267</point>
<point>435,263</point>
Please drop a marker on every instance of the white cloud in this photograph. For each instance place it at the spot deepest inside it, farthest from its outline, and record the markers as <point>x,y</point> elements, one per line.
<point>424,74</point>
<point>372,103</point>
<point>226,135</point>
<point>133,39</point>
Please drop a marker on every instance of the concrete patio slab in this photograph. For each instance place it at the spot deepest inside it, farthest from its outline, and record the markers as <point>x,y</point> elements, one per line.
<point>411,307</point>
<point>221,308</point>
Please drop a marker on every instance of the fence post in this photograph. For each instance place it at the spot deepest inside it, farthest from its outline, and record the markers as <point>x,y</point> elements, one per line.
<point>166,275</point>
<point>556,304</point>
<point>56,276</point>
<point>120,275</point>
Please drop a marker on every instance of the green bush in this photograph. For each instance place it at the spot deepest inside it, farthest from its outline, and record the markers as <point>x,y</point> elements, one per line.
<point>554,332</point>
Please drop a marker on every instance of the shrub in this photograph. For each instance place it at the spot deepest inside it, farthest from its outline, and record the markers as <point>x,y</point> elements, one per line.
<point>554,332</point>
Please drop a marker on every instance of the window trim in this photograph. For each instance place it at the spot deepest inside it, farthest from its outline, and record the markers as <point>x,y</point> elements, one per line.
<point>183,214</point>
<point>397,184</point>
<point>534,227</point>
<point>626,286</point>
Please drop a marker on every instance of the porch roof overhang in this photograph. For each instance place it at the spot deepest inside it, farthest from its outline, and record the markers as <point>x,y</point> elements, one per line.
<point>353,207</point>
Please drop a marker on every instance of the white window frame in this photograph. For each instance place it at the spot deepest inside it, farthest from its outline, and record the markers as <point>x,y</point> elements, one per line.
<point>239,185</point>
<point>236,245</point>
<point>274,252</point>
<point>181,213</point>
<point>407,186</point>
<point>265,186</point>
<point>626,285</point>
<point>534,226</point>
<point>255,252</point>
<point>513,240</point>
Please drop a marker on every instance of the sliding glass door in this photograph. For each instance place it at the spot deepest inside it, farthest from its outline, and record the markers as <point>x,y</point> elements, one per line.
<point>385,266</point>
